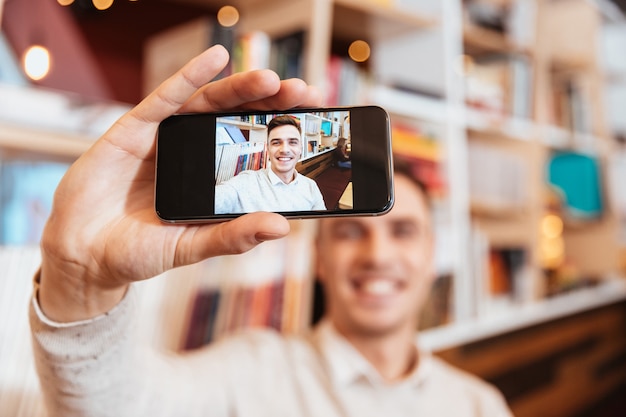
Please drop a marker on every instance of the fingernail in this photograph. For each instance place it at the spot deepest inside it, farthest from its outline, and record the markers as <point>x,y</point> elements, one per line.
<point>263,236</point>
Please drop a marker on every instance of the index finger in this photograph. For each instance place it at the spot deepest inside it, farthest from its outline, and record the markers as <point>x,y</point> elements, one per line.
<point>169,97</point>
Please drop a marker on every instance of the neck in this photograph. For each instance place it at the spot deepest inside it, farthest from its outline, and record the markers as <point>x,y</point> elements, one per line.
<point>285,177</point>
<point>394,355</point>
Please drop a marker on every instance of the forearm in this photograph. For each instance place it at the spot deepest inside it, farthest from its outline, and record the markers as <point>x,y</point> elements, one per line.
<point>100,368</point>
<point>83,366</point>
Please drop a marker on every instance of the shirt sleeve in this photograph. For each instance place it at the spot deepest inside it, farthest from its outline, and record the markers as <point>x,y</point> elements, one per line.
<point>97,368</point>
<point>318,198</point>
<point>225,198</point>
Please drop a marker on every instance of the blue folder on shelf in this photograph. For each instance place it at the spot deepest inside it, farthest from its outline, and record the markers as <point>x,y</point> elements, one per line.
<point>577,177</point>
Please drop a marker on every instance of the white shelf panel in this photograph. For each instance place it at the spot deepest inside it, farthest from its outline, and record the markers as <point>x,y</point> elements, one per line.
<point>511,127</point>
<point>520,316</point>
<point>43,142</point>
<point>409,104</point>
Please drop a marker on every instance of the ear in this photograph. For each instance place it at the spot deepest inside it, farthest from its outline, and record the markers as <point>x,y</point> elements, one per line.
<point>320,269</point>
<point>319,264</point>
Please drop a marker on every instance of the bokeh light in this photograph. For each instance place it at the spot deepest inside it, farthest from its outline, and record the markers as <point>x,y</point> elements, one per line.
<point>228,16</point>
<point>359,51</point>
<point>552,226</point>
<point>102,4</point>
<point>36,62</point>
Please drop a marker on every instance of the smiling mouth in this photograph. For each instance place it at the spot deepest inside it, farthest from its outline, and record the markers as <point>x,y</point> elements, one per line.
<point>378,286</point>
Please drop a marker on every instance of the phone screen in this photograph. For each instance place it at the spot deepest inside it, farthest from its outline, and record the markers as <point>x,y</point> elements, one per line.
<point>300,163</point>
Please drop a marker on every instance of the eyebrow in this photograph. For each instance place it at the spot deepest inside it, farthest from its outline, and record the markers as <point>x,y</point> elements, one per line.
<point>288,138</point>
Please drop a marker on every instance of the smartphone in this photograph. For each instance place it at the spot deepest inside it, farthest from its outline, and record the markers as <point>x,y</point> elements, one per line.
<point>300,163</point>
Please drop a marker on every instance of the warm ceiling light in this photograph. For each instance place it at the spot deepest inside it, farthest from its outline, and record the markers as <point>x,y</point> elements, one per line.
<point>359,51</point>
<point>36,62</point>
<point>228,16</point>
<point>65,2</point>
<point>102,4</point>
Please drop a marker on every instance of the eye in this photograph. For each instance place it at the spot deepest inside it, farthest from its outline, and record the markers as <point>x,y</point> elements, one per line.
<point>348,231</point>
<point>406,230</point>
<point>294,142</point>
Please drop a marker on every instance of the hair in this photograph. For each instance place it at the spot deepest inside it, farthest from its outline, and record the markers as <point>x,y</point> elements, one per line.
<point>408,170</point>
<point>283,120</point>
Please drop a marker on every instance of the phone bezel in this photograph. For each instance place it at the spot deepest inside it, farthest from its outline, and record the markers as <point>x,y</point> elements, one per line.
<point>179,196</point>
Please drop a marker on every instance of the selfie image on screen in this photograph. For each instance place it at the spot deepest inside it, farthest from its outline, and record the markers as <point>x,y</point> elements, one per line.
<point>283,163</point>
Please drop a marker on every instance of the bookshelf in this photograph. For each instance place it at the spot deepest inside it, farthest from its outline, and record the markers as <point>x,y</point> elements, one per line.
<point>419,93</point>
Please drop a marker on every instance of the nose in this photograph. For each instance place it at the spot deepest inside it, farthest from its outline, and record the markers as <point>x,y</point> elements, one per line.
<point>284,147</point>
<point>378,249</point>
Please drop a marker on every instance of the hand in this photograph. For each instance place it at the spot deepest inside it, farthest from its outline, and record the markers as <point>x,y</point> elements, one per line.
<point>103,232</point>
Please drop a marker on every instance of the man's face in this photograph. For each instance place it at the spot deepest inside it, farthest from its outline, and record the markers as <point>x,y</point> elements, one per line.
<point>285,149</point>
<point>377,271</point>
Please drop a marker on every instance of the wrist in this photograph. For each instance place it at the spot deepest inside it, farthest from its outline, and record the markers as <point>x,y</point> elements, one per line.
<point>68,294</point>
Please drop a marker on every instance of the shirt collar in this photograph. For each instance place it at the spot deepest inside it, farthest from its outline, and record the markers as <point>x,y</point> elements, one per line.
<point>275,180</point>
<point>347,366</point>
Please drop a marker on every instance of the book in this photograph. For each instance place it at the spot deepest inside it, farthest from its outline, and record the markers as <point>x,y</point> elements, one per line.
<point>346,81</point>
<point>235,133</point>
<point>286,56</point>
<point>498,179</point>
<point>500,84</point>
<point>422,150</point>
<point>437,310</point>
<point>202,320</point>
<point>263,288</point>
<point>251,51</point>
<point>230,160</point>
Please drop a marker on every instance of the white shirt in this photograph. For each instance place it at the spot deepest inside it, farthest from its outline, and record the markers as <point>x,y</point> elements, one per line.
<point>96,368</point>
<point>263,190</point>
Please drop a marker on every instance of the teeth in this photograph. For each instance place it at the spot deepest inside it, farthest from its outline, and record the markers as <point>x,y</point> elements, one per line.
<point>378,287</point>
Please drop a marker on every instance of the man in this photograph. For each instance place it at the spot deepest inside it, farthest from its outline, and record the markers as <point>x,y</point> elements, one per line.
<point>279,188</point>
<point>360,361</point>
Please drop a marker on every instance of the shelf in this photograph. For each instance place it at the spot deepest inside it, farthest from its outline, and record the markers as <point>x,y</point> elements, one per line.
<point>44,123</point>
<point>490,124</point>
<point>497,211</point>
<point>318,153</point>
<point>42,143</point>
<point>501,3</point>
<point>520,316</point>
<point>478,40</point>
<point>369,20</point>
<point>240,124</point>
<point>407,104</point>
<point>557,137</point>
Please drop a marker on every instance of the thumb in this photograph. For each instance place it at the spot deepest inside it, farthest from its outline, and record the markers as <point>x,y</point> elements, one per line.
<point>232,237</point>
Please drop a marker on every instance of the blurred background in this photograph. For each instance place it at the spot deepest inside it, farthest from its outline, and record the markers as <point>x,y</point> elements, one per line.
<point>511,111</point>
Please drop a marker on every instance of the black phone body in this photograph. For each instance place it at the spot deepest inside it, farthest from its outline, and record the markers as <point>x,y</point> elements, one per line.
<point>218,166</point>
